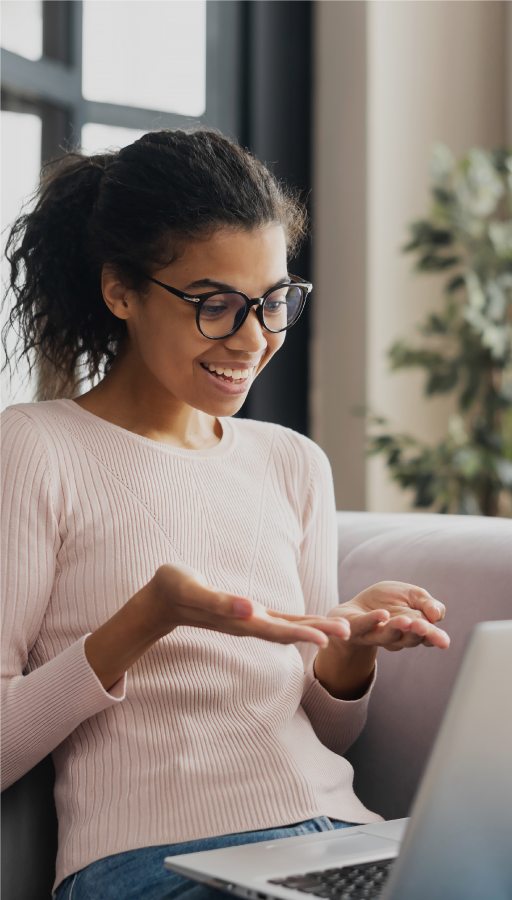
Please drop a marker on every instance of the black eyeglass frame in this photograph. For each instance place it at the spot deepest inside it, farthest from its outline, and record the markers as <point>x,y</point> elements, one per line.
<point>258,302</point>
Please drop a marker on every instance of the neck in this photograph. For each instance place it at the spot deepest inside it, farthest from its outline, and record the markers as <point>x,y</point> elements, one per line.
<point>135,400</point>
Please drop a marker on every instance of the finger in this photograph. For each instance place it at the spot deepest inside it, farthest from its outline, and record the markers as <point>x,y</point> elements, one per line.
<point>213,609</point>
<point>415,635</point>
<point>421,632</point>
<point>436,637</point>
<point>432,609</point>
<point>385,633</point>
<point>258,625</point>
<point>419,627</point>
<point>335,626</point>
<point>220,602</point>
<point>366,622</point>
<point>282,631</point>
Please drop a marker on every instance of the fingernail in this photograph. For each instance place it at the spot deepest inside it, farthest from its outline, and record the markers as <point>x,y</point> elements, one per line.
<point>242,609</point>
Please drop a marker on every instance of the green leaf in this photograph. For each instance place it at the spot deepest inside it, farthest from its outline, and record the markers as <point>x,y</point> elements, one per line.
<point>435,324</point>
<point>466,347</point>
<point>443,196</point>
<point>442,380</point>
<point>455,284</point>
<point>432,262</point>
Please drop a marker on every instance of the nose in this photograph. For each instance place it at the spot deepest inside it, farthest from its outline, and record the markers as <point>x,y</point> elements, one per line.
<point>250,337</point>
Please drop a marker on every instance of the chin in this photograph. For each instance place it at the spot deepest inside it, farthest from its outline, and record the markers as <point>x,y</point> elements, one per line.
<point>225,408</point>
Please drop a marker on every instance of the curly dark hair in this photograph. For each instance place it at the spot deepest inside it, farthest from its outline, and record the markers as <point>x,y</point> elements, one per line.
<point>131,209</point>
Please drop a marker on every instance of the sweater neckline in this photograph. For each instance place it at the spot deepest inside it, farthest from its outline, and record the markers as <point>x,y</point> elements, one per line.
<point>221,449</point>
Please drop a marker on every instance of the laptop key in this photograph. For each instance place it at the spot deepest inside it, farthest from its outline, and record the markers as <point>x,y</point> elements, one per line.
<point>363,881</point>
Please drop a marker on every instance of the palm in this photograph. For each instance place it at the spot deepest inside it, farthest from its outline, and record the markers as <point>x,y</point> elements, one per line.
<point>394,615</point>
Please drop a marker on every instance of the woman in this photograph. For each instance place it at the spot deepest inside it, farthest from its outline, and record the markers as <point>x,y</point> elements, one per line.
<point>163,559</point>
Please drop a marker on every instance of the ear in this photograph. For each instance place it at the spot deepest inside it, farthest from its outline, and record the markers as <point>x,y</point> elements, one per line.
<point>117,296</point>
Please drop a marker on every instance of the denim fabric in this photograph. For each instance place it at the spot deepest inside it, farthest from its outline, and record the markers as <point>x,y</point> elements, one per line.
<point>140,874</point>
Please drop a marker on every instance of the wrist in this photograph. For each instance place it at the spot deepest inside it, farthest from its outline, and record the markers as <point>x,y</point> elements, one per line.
<point>151,609</point>
<point>117,644</point>
<point>345,670</point>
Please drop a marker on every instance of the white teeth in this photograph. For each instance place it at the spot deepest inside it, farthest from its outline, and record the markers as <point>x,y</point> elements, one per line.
<point>235,374</point>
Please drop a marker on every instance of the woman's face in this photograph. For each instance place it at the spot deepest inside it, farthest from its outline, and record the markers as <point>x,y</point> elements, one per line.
<point>165,343</point>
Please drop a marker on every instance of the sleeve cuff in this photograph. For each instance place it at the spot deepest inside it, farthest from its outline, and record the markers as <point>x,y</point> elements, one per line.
<point>310,679</point>
<point>118,690</point>
<point>41,709</point>
<point>337,723</point>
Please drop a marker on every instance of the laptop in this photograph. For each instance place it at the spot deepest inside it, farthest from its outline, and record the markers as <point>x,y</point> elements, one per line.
<point>457,844</point>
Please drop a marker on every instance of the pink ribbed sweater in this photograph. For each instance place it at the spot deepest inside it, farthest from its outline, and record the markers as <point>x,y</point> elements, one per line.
<point>207,734</point>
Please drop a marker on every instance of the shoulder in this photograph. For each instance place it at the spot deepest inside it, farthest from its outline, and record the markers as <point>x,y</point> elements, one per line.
<point>19,431</point>
<point>26,468</point>
<point>25,422</point>
<point>32,431</point>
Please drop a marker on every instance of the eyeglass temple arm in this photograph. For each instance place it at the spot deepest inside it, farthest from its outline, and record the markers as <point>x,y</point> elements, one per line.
<point>301,283</point>
<point>174,291</point>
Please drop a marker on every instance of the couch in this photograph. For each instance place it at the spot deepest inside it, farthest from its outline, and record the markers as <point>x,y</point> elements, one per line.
<point>466,562</point>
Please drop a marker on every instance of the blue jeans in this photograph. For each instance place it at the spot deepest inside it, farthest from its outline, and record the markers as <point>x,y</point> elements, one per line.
<point>140,874</point>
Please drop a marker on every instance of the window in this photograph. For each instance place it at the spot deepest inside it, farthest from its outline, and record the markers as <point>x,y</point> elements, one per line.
<point>21,161</point>
<point>152,56</point>
<point>104,71</point>
<point>22,27</point>
<point>99,74</point>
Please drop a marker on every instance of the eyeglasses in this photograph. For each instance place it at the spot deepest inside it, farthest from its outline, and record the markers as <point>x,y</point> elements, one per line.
<point>220,313</point>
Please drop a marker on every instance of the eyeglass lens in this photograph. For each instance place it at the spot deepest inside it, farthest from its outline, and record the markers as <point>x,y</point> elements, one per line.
<point>221,313</point>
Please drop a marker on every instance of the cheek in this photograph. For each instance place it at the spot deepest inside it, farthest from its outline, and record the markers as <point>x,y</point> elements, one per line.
<point>165,342</point>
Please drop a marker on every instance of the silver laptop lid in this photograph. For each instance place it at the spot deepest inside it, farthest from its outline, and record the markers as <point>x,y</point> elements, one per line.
<point>459,843</point>
<point>459,840</point>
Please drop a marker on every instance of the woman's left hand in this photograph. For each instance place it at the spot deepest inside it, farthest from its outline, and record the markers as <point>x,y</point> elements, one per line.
<point>394,615</point>
<point>390,614</point>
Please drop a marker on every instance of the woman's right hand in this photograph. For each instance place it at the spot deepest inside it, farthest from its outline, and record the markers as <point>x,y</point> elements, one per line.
<point>181,596</point>
<point>177,595</point>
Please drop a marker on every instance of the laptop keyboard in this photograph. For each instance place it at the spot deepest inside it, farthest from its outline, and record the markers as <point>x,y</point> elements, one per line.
<point>347,883</point>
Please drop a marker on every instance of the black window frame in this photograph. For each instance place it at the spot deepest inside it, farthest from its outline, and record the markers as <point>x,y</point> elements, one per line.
<point>51,86</point>
<point>258,90</point>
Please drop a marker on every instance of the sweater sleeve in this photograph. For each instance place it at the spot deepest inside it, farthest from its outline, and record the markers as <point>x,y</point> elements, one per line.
<point>337,723</point>
<point>39,709</point>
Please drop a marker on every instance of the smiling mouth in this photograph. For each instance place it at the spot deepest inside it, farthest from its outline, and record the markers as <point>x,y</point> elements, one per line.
<point>232,376</point>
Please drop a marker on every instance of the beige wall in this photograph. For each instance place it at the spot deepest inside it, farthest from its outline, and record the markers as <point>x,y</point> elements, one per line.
<point>339,240</point>
<point>419,72</point>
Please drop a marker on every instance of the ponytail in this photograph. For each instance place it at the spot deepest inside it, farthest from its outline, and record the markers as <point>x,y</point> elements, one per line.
<point>130,209</point>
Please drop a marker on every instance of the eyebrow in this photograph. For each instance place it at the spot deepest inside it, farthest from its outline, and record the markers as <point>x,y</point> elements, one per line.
<point>221,286</point>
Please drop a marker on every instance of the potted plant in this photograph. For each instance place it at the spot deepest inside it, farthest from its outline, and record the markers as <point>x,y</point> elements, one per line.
<point>467,347</point>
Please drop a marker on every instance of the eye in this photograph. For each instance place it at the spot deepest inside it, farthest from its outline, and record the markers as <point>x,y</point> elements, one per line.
<point>274,306</point>
<point>214,307</point>
<point>282,307</point>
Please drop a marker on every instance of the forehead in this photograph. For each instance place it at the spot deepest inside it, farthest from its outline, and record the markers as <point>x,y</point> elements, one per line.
<point>232,255</point>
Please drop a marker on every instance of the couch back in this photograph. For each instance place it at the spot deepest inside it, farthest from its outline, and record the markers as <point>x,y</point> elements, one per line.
<point>464,561</point>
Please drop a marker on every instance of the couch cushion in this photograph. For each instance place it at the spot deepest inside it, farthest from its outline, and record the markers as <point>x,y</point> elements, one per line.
<point>464,561</point>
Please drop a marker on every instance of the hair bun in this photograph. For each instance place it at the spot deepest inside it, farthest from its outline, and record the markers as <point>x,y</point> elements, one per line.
<point>103,160</point>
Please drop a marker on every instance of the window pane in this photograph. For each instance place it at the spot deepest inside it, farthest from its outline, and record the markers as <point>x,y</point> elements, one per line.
<point>22,27</point>
<point>103,137</point>
<point>21,162</point>
<point>146,53</point>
